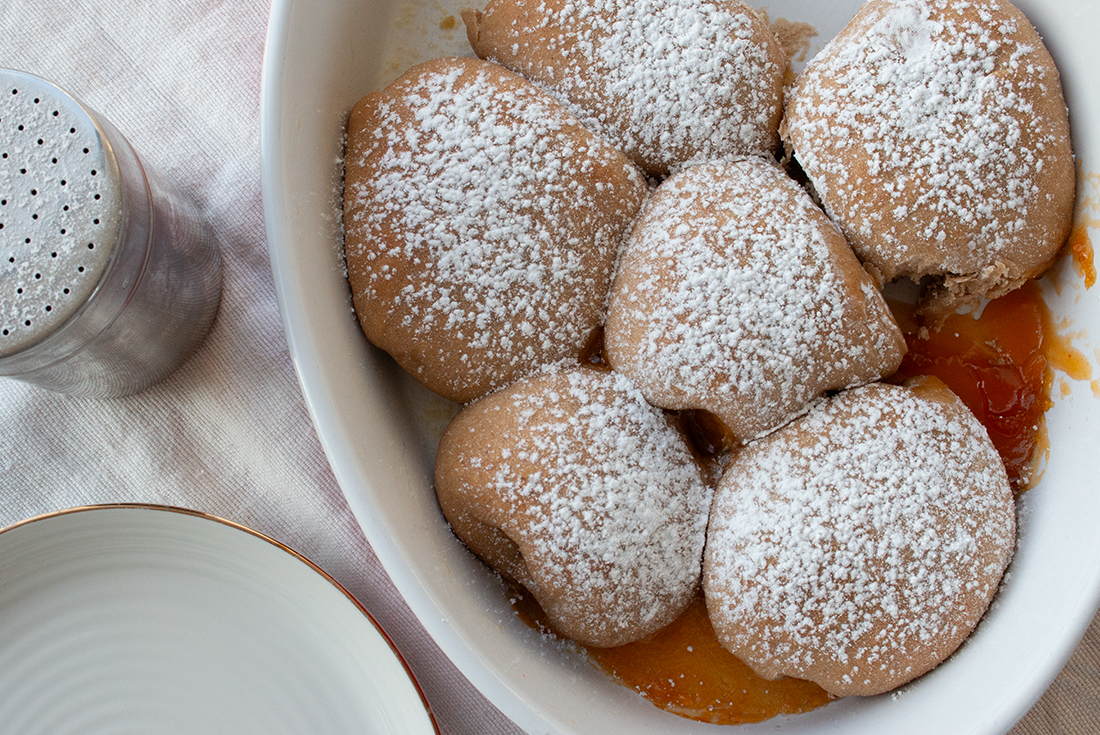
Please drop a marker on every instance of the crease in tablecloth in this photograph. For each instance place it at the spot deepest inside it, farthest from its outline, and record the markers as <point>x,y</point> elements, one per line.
<point>228,433</point>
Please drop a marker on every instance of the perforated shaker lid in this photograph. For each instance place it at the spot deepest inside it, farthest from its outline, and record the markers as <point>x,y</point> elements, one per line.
<point>60,208</point>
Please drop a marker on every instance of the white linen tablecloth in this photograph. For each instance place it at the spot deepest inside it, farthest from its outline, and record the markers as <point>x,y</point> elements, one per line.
<point>228,434</point>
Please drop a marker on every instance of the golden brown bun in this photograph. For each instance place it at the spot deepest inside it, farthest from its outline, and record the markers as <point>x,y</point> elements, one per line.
<point>859,545</point>
<point>936,135</point>
<point>482,222</point>
<point>736,295</point>
<point>667,82</point>
<point>569,483</point>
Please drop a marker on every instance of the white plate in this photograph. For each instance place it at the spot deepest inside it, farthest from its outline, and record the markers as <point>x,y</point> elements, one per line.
<point>377,430</point>
<point>145,619</point>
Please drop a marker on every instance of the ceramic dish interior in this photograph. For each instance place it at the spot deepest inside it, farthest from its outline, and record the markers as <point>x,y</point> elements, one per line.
<point>378,429</point>
<point>147,619</point>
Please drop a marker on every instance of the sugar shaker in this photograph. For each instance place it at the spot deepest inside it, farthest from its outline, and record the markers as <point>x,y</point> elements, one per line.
<point>109,277</point>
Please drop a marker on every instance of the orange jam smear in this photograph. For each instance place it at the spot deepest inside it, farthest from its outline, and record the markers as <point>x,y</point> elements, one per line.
<point>685,670</point>
<point>1081,248</point>
<point>997,364</point>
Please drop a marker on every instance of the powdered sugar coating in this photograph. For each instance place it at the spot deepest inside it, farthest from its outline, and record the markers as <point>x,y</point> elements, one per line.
<point>667,81</point>
<point>936,135</point>
<point>571,484</point>
<point>858,546</point>
<point>482,223</point>
<point>735,294</point>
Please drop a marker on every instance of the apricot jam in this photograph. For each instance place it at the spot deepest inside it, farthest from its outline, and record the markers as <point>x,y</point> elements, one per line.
<point>997,364</point>
<point>685,670</point>
<point>1081,248</point>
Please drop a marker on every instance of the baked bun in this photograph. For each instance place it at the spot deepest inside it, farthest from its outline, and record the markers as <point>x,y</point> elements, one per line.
<point>858,546</point>
<point>482,222</point>
<point>735,294</point>
<point>667,82</point>
<point>936,135</point>
<point>570,484</point>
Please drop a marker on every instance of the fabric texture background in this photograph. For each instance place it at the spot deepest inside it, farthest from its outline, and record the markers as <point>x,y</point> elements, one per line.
<point>228,434</point>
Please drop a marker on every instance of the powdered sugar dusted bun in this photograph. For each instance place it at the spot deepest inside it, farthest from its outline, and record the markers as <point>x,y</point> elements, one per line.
<point>735,294</point>
<point>569,483</point>
<point>936,135</point>
<point>482,222</point>
<point>858,546</point>
<point>667,81</point>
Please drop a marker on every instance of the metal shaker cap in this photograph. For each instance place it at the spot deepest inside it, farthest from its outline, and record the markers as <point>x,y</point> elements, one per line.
<point>110,278</point>
<point>60,209</point>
